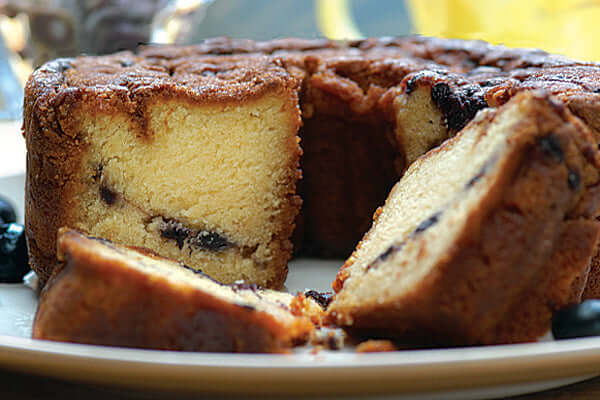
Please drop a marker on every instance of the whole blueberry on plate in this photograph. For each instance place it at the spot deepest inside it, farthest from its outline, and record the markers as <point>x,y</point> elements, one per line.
<point>13,253</point>
<point>7,212</point>
<point>577,320</point>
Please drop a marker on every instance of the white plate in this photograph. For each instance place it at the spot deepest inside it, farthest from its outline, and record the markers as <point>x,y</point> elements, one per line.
<point>461,373</point>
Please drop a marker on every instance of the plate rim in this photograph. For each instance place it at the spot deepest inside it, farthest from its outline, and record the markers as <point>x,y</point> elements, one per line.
<point>400,372</point>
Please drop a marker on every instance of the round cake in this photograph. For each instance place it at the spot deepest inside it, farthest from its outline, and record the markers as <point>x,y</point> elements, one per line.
<point>195,152</point>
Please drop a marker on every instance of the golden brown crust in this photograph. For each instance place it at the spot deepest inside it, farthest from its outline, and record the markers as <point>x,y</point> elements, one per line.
<point>517,258</point>
<point>116,305</point>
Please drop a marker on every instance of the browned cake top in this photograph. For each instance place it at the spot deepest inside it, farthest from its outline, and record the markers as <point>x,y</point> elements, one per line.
<point>228,46</point>
<point>233,69</point>
<point>467,54</point>
<point>223,80</point>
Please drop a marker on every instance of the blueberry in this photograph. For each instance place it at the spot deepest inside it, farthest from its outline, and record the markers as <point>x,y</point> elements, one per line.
<point>7,212</point>
<point>578,320</point>
<point>14,262</point>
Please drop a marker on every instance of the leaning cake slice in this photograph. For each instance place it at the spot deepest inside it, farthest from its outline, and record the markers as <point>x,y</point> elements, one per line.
<point>483,237</point>
<point>107,294</point>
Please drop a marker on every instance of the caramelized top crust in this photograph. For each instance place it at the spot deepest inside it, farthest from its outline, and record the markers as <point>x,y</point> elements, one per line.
<point>228,46</point>
<point>223,69</point>
<point>200,79</point>
<point>469,54</point>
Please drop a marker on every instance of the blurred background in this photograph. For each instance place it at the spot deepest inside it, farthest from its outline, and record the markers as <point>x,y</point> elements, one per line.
<point>34,31</point>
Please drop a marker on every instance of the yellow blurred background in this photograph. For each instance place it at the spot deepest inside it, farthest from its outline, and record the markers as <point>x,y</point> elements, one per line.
<point>566,27</point>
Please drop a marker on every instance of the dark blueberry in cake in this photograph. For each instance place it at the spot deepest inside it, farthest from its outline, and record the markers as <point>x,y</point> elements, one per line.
<point>573,179</point>
<point>458,106</point>
<point>478,175</point>
<point>14,263</point>
<point>237,286</point>
<point>383,256</point>
<point>172,229</point>
<point>578,320</point>
<point>411,84</point>
<point>323,298</point>
<point>7,212</point>
<point>109,196</point>
<point>248,307</point>
<point>423,226</point>
<point>388,252</point>
<point>551,146</point>
<point>210,241</point>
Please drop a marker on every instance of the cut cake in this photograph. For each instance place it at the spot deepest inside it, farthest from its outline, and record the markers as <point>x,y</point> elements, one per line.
<point>193,151</point>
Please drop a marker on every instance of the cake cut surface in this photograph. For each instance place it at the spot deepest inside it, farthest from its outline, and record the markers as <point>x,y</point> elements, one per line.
<point>483,237</point>
<point>108,294</point>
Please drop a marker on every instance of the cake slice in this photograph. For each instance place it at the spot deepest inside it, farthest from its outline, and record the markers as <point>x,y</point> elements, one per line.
<point>483,237</point>
<point>108,294</point>
<point>197,162</point>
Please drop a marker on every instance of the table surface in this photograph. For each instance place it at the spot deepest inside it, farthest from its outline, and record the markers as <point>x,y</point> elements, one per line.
<point>15,385</point>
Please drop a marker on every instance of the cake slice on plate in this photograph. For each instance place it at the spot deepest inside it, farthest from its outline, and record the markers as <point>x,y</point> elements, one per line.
<point>483,237</point>
<point>107,294</point>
